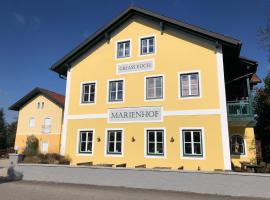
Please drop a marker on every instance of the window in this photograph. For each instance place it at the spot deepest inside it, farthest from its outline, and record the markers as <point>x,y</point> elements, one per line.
<point>86,142</point>
<point>189,84</point>
<point>114,142</point>
<point>88,93</point>
<point>116,91</point>
<point>123,49</point>
<point>46,128</point>
<point>32,122</point>
<point>147,45</point>
<point>38,105</point>
<point>237,145</point>
<point>154,87</point>
<point>42,105</point>
<point>155,142</point>
<point>192,142</point>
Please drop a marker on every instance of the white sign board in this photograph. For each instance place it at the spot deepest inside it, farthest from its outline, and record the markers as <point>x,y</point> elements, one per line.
<point>135,114</point>
<point>133,67</point>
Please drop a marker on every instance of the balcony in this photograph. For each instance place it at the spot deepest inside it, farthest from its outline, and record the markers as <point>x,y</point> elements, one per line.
<point>46,129</point>
<point>240,113</point>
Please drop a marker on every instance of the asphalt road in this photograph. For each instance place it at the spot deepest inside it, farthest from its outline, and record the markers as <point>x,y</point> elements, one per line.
<point>25,190</point>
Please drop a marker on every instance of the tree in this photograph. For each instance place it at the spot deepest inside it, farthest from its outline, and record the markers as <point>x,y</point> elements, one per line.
<point>264,37</point>
<point>11,134</point>
<point>262,110</point>
<point>3,136</point>
<point>32,144</point>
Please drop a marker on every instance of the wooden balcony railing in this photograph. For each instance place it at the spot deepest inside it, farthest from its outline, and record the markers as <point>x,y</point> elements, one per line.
<point>239,108</point>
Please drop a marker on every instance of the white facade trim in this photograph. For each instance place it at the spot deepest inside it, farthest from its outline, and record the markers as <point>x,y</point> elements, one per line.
<point>165,114</point>
<point>81,90</point>
<point>139,45</point>
<point>223,109</point>
<point>192,112</point>
<point>108,91</point>
<point>78,141</point>
<point>106,154</point>
<point>186,157</point>
<point>145,142</point>
<point>130,48</point>
<point>179,84</point>
<point>163,87</point>
<point>64,131</point>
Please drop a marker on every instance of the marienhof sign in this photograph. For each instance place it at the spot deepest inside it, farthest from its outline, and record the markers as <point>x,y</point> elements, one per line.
<point>133,67</point>
<point>135,114</point>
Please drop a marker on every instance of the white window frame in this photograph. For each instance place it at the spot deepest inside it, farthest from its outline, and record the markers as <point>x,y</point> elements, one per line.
<point>43,142</point>
<point>139,45</point>
<point>81,93</point>
<point>163,87</point>
<point>106,142</point>
<point>180,88</point>
<point>116,49</point>
<point>34,122</point>
<point>108,90</point>
<point>192,157</point>
<point>43,126</point>
<point>245,146</point>
<point>78,153</point>
<point>146,142</point>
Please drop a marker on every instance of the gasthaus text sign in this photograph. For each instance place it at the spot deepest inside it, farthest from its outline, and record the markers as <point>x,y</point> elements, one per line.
<point>135,114</point>
<point>133,67</point>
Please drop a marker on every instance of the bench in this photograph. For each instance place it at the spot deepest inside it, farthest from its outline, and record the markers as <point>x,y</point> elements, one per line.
<point>121,165</point>
<point>249,167</point>
<point>104,165</point>
<point>85,164</point>
<point>141,166</point>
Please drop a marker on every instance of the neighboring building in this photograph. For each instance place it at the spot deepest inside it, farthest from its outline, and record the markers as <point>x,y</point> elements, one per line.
<point>40,114</point>
<point>147,89</point>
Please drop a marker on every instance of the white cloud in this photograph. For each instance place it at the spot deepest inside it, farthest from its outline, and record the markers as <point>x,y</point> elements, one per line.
<point>19,18</point>
<point>33,22</point>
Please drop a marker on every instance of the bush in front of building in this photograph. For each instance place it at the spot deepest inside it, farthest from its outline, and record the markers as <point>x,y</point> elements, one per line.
<point>31,148</point>
<point>48,158</point>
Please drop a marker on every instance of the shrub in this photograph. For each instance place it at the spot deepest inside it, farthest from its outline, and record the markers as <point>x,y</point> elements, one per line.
<point>31,159</point>
<point>32,145</point>
<point>49,158</point>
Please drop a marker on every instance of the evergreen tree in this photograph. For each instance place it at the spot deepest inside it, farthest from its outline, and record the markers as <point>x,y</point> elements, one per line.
<point>11,134</point>
<point>262,110</point>
<point>3,136</point>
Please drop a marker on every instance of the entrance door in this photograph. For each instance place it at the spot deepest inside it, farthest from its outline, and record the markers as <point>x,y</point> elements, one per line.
<point>45,147</point>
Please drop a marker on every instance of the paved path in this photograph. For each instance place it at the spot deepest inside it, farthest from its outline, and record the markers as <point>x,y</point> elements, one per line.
<point>24,190</point>
<point>3,167</point>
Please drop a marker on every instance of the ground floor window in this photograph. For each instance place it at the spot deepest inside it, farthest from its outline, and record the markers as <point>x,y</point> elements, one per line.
<point>155,142</point>
<point>192,142</point>
<point>114,141</point>
<point>86,142</point>
<point>237,145</point>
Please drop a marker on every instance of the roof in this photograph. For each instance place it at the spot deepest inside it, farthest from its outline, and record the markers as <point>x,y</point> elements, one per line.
<point>63,64</point>
<point>53,96</point>
<point>255,79</point>
<point>248,61</point>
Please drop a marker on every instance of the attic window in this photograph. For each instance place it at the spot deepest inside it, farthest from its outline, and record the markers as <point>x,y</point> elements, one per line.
<point>123,49</point>
<point>148,45</point>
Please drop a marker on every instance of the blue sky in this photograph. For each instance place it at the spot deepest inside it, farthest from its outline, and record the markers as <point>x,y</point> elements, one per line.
<point>34,34</point>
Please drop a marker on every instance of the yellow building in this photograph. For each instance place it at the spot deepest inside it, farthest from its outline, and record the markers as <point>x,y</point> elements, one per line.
<point>154,91</point>
<point>40,114</point>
